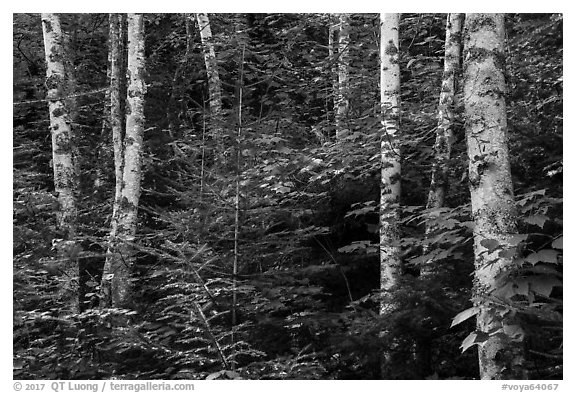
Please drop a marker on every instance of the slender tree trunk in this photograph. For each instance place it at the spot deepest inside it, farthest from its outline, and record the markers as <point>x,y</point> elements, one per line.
<point>214,84</point>
<point>444,131</point>
<point>113,116</point>
<point>493,208</point>
<point>390,264</point>
<point>333,59</point>
<point>103,155</point>
<point>116,54</point>
<point>117,76</point>
<point>119,264</point>
<point>174,110</point>
<point>343,76</point>
<point>62,149</point>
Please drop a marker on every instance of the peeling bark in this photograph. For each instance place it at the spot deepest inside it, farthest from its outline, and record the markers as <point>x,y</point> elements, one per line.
<point>118,267</point>
<point>214,84</point>
<point>62,149</point>
<point>333,59</point>
<point>343,103</point>
<point>493,208</point>
<point>444,130</point>
<point>390,267</point>
<point>390,263</point>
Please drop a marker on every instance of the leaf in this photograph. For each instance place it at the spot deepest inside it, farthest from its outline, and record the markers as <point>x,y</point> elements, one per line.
<point>557,244</point>
<point>490,244</point>
<point>507,254</point>
<point>536,219</point>
<point>544,285</point>
<point>547,256</point>
<point>517,239</point>
<point>514,331</point>
<point>476,337</point>
<point>362,245</point>
<point>468,224</point>
<point>464,315</point>
<point>448,224</point>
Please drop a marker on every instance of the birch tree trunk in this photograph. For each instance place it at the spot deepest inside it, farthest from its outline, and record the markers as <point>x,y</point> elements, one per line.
<point>117,75</point>
<point>333,59</point>
<point>112,123</point>
<point>444,130</point>
<point>390,264</point>
<point>62,151</point>
<point>493,208</point>
<point>119,264</point>
<point>104,152</point>
<point>214,84</point>
<point>343,76</point>
<point>390,267</point>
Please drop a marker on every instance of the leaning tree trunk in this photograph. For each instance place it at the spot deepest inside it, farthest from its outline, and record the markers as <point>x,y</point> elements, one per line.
<point>390,264</point>
<point>62,151</point>
<point>214,84</point>
<point>343,76</point>
<point>119,265</point>
<point>444,130</point>
<point>493,208</point>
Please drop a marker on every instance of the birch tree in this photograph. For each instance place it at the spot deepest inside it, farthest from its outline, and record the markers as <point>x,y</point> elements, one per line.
<point>214,84</point>
<point>118,266</point>
<point>492,195</point>
<point>112,123</point>
<point>390,268</point>
<point>342,102</point>
<point>116,112</point>
<point>333,59</point>
<point>444,130</point>
<point>62,151</point>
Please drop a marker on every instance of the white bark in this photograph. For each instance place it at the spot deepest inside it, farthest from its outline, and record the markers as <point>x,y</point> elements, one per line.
<point>214,84</point>
<point>444,130</point>
<point>333,59</point>
<point>492,195</point>
<point>116,77</point>
<point>390,264</point>
<point>62,148</point>
<point>121,260</point>
<point>343,76</point>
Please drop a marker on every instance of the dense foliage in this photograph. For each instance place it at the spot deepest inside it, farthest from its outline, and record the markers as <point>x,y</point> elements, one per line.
<point>307,285</point>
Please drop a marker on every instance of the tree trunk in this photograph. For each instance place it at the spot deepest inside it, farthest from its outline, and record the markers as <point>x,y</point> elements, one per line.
<point>103,155</point>
<point>444,131</point>
<point>62,149</point>
<point>214,84</point>
<point>343,76</point>
<point>333,59</point>
<point>119,265</point>
<point>493,208</point>
<point>390,153</point>
<point>390,264</point>
<point>112,123</point>
<point>117,76</point>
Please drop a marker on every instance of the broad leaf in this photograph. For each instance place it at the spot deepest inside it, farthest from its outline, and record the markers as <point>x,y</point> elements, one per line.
<point>557,244</point>
<point>490,244</point>
<point>476,337</point>
<point>464,315</point>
